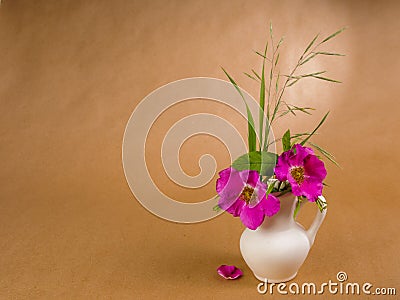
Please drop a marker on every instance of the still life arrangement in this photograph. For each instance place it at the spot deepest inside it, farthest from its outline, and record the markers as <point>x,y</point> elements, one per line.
<point>265,189</point>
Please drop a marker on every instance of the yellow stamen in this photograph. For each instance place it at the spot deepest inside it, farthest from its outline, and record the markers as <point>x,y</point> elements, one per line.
<point>298,174</point>
<point>246,194</point>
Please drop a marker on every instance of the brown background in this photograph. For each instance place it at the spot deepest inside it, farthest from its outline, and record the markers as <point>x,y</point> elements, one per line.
<point>73,71</point>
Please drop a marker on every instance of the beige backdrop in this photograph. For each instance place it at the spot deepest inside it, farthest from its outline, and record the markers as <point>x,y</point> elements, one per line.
<point>73,71</point>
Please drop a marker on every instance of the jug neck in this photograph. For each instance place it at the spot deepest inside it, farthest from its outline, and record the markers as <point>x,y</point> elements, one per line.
<point>284,218</point>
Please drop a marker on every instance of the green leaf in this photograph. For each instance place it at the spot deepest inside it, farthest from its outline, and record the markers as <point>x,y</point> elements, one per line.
<point>325,153</point>
<point>297,208</point>
<point>321,204</point>
<point>217,208</point>
<point>333,35</point>
<point>270,188</point>
<point>316,128</point>
<point>252,137</point>
<point>261,161</point>
<point>286,141</point>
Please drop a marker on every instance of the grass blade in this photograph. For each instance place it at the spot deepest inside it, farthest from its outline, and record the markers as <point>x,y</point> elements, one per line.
<point>308,59</point>
<point>298,108</point>
<point>270,30</point>
<point>262,102</point>
<point>330,53</point>
<point>304,75</point>
<point>277,59</point>
<point>309,45</point>
<point>293,82</point>
<point>250,76</point>
<point>279,43</point>
<point>277,83</point>
<point>312,74</point>
<point>316,128</point>
<point>297,135</point>
<point>284,113</point>
<point>255,73</point>
<point>327,79</point>
<point>252,137</point>
<point>325,153</point>
<point>262,97</point>
<point>260,54</point>
<point>289,110</point>
<point>333,35</point>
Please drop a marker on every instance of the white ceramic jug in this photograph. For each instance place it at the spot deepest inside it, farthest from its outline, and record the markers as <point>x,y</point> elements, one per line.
<point>276,250</point>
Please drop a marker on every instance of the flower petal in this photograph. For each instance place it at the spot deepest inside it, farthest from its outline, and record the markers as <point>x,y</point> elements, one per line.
<point>301,154</point>
<point>233,207</point>
<point>251,177</point>
<point>259,193</point>
<point>315,168</point>
<point>229,272</point>
<point>282,166</point>
<point>296,189</point>
<point>271,205</point>
<point>229,184</point>
<point>252,218</point>
<point>311,189</point>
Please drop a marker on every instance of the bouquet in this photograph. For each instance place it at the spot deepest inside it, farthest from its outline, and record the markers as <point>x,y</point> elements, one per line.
<point>251,186</point>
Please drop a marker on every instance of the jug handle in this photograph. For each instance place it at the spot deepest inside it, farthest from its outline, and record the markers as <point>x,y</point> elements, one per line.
<point>319,218</point>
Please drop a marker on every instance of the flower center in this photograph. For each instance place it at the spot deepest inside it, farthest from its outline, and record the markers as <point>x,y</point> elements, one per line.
<point>298,174</point>
<point>246,194</point>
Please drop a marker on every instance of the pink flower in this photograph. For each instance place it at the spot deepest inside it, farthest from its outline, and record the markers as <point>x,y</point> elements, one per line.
<point>243,194</point>
<point>304,171</point>
<point>229,272</point>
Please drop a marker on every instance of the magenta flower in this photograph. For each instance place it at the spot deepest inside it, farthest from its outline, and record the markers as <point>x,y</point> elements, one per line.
<point>229,272</point>
<point>304,171</point>
<point>243,194</point>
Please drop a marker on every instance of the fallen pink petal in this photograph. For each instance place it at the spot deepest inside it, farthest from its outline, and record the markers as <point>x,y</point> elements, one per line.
<point>229,272</point>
